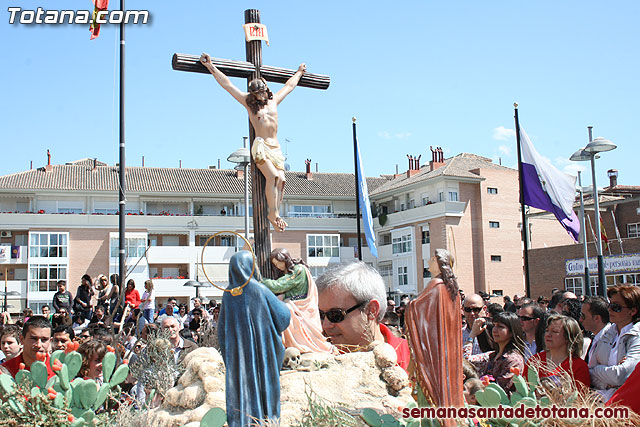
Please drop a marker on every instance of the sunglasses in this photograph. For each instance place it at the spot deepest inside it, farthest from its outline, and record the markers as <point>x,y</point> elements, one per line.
<point>337,315</point>
<point>474,309</point>
<point>526,318</point>
<point>616,308</point>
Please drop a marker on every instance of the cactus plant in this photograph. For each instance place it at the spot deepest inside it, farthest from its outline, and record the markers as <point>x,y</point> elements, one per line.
<point>33,399</point>
<point>525,394</point>
<point>373,419</point>
<point>215,417</point>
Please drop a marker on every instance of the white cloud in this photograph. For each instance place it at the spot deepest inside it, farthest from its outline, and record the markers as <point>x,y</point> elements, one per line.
<point>503,134</point>
<point>505,149</point>
<point>388,135</point>
<point>570,167</point>
<point>403,135</point>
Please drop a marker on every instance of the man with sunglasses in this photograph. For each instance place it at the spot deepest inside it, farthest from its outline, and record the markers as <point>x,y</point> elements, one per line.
<point>530,314</point>
<point>594,318</point>
<point>352,303</point>
<point>475,336</point>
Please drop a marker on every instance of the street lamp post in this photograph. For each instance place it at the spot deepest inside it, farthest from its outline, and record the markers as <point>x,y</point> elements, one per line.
<point>597,145</point>
<point>587,286</point>
<point>242,158</point>
<point>197,285</point>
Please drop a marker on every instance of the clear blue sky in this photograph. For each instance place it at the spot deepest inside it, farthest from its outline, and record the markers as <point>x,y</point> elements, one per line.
<point>415,73</point>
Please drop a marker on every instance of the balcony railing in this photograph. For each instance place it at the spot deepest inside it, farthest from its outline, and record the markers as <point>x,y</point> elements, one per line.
<point>311,215</point>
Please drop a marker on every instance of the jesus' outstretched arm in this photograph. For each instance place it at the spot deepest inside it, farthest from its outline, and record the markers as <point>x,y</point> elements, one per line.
<point>291,84</point>
<point>223,80</point>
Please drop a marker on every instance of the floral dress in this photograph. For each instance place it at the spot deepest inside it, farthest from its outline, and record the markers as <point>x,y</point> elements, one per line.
<point>499,367</point>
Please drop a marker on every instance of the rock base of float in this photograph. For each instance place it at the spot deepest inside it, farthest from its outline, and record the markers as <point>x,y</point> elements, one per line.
<point>199,389</point>
<point>351,381</point>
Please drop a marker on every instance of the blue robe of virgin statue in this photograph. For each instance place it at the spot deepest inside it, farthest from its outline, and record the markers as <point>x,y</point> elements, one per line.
<point>249,331</point>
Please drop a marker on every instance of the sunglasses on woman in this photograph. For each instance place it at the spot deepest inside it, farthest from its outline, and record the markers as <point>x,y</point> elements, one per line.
<point>615,307</point>
<point>337,315</point>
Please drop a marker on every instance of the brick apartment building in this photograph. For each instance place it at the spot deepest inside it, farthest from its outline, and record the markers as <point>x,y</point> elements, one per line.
<point>60,222</point>
<point>466,204</point>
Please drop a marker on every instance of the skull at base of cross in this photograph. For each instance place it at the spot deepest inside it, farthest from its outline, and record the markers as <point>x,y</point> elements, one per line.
<point>291,359</point>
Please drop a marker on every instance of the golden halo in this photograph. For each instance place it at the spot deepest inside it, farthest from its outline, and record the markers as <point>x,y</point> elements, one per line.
<point>238,290</point>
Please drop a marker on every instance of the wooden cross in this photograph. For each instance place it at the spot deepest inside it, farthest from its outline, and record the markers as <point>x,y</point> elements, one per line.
<point>253,69</point>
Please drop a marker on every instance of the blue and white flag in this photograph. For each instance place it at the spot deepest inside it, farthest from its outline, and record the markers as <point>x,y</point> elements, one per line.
<point>545,187</point>
<point>365,206</point>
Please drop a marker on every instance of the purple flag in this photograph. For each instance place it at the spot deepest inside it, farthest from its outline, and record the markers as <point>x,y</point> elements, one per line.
<point>545,187</point>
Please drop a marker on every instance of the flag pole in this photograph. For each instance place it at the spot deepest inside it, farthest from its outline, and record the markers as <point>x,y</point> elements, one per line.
<point>355,162</point>
<point>525,227</point>
<point>122,186</point>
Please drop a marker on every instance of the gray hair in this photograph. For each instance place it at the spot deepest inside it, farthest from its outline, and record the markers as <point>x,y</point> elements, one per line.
<point>169,319</point>
<point>360,280</point>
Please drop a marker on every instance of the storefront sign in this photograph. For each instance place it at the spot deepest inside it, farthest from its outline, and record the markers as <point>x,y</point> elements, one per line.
<point>629,263</point>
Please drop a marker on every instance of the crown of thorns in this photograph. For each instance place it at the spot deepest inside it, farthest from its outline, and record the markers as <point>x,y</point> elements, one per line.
<point>258,85</point>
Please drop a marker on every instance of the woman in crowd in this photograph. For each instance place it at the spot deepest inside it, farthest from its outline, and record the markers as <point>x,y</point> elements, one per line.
<point>617,360</point>
<point>114,295</point>
<point>82,301</point>
<point>563,347</point>
<point>148,301</point>
<point>131,295</point>
<point>102,288</point>
<point>508,340</point>
<point>92,352</point>
<point>107,293</point>
<point>26,314</point>
<point>183,315</point>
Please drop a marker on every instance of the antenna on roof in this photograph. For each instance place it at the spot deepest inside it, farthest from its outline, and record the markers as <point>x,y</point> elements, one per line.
<point>142,161</point>
<point>31,165</point>
<point>218,163</point>
<point>180,164</point>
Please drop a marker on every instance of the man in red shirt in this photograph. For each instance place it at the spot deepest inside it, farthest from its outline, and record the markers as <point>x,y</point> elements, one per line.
<point>352,302</point>
<point>36,339</point>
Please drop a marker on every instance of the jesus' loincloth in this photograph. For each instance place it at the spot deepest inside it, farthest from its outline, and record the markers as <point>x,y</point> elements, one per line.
<point>262,150</point>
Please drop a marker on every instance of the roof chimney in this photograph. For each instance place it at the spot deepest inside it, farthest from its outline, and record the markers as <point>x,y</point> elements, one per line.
<point>48,168</point>
<point>396,174</point>
<point>414,165</point>
<point>95,163</point>
<point>308,165</point>
<point>437,158</point>
<point>240,173</point>
<point>613,177</point>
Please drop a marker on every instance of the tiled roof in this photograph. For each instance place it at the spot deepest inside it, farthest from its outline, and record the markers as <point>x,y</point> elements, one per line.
<point>87,162</point>
<point>457,166</point>
<point>81,176</point>
<point>622,189</point>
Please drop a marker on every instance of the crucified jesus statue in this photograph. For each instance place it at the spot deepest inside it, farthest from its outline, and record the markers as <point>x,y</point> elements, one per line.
<point>262,106</point>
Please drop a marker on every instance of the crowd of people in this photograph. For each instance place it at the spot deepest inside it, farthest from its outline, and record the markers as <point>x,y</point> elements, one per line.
<point>593,340</point>
<point>94,322</point>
